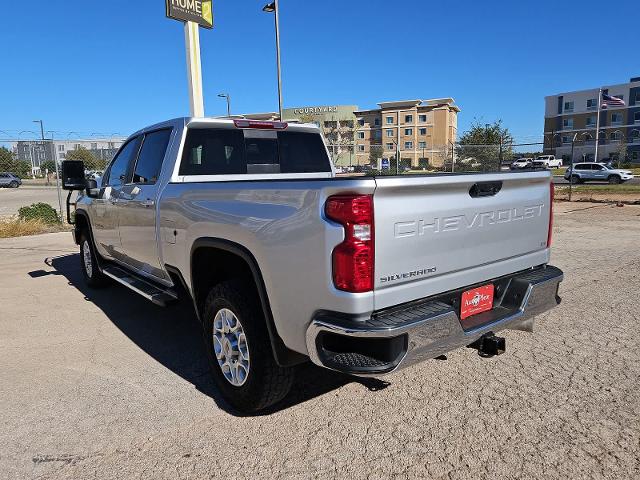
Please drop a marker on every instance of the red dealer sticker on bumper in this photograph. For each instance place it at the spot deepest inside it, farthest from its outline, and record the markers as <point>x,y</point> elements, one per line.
<point>475,301</point>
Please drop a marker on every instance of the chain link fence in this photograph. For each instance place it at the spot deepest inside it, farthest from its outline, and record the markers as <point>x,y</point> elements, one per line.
<point>454,157</point>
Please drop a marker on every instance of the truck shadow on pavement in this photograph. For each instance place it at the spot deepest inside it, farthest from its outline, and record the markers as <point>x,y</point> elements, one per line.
<point>173,337</point>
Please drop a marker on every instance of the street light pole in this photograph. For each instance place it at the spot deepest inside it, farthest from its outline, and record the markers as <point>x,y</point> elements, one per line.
<point>273,8</point>
<point>573,141</point>
<point>55,162</point>
<point>228,97</point>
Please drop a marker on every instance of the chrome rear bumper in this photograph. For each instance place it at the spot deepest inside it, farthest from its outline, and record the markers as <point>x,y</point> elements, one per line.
<point>423,330</point>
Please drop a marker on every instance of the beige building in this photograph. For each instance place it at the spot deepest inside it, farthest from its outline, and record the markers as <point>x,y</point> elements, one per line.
<point>420,132</point>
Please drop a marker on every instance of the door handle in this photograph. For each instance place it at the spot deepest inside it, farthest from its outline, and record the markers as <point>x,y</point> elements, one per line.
<point>147,203</point>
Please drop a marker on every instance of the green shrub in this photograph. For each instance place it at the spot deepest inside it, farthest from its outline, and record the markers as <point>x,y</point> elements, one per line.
<point>39,211</point>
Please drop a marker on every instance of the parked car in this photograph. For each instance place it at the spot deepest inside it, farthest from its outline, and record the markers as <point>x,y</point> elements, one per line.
<point>550,161</point>
<point>94,174</point>
<point>284,262</point>
<point>591,171</point>
<point>522,163</point>
<point>9,180</point>
<point>539,164</point>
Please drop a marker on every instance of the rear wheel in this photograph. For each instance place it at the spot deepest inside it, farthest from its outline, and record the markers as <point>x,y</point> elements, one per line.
<point>614,180</point>
<point>575,179</point>
<point>239,351</point>
<point>13,184</point>
<point>93,277</point>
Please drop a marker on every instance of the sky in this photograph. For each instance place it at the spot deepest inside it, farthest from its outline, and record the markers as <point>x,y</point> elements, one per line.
<point>116,66</point>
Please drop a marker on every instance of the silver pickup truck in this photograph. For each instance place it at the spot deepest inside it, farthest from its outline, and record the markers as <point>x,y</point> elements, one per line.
<point>285,262</point>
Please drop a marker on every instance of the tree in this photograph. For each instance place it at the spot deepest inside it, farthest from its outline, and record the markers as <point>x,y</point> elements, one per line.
<point>485,144</point>
<point>48,165</point>
<point>8,163</point>
<point>375,154</point>
<point>90,161</point>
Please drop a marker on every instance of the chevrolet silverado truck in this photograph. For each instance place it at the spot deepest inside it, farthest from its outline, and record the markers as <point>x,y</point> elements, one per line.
<point>284,262</point>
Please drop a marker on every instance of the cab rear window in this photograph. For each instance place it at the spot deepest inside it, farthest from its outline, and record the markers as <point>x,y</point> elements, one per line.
<point>240,151</point>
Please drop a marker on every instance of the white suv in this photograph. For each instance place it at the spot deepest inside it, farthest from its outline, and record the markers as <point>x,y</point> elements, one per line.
<point>550,161</point>
<point>591,171</point>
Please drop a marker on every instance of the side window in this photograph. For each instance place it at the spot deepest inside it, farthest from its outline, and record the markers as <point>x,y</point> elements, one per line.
<point>119,168</point>
<point>154,146</point>
<point>213,152</point>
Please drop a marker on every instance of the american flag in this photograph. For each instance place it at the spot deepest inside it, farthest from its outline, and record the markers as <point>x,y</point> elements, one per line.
<point>609,101</point>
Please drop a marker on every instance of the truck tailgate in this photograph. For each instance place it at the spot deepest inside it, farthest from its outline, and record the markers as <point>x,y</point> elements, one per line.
<point>437,233</point>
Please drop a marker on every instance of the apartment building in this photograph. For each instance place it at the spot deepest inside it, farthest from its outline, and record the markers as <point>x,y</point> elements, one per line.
<point>37,151</point>
<point>419,132</point>
<point>574,115</point>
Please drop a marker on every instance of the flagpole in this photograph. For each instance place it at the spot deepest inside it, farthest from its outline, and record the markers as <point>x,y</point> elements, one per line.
<point>595,159</point>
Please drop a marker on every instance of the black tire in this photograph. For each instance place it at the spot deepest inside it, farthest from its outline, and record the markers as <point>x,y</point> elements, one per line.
<point>575,179</point>
<point>266,382</point>
<point>13,184</point>
<point>92,276</point>
<point>614,180</point>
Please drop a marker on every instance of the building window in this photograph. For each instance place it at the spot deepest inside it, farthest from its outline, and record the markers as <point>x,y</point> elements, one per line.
<point>616,119</point>
<point>361,122</point>
<point>361,135</point>
<point>615,136</point>
<point>591,121</point>
<point>377,134</point>
<point>422,144</point>
<point>376,122</point>
<point>389,132</point>
<point>408,118</point>
<point>592,104</point>
<point>568,106</point>
<point>61,148</point>
<point>77,147</point>
<point>566,139</point>
<point>634,156</point>
<point>408,145</point>
<point>567,123</point>
<point>422,118</point>
<point>636,117</point>
<point>389,120</point>
<point>408,131</point>
<point>389,146</point>
<point>94,146</point>
<point>423,131</point>
<point>361,148</point>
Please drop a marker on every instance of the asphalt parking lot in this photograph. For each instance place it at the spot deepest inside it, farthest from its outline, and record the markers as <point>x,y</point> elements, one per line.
<point>103,384</point>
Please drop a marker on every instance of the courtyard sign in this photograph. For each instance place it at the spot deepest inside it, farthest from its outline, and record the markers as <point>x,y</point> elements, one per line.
<point>197,11</point>
<point>314,110</point>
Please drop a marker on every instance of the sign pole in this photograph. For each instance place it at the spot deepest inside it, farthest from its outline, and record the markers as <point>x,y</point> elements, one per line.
<point>194,69</point>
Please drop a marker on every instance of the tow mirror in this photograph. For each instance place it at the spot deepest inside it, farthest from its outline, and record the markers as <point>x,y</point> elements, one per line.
<point>73,175</point>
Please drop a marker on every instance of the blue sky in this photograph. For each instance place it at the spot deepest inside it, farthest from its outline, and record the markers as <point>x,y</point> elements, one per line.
<point>118,65</point>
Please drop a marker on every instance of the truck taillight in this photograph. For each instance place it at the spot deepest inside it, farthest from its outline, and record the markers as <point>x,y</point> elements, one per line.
<point>551,195</point>
<point>353,259</point>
